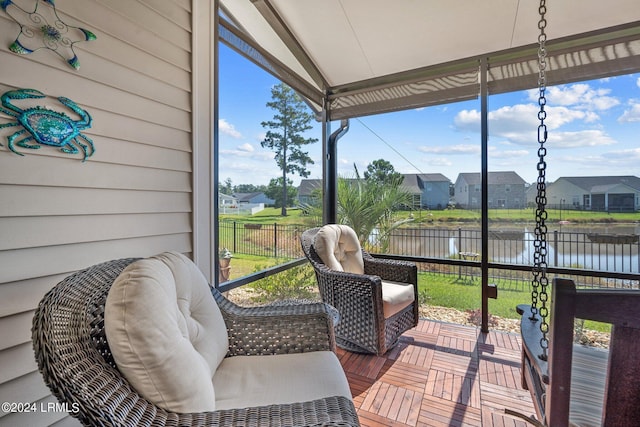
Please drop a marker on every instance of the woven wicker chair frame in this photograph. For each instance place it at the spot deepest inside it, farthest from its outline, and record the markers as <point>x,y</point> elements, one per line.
<point>358,298</point>
<point>77,365</point>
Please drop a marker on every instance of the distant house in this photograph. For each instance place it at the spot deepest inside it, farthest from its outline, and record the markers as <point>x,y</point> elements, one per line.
<point>254,198</point>
<point>226,200</point>
<point>308,189</point>
<point>429,190</point>
<point>596,193</point>
<point>506,190</point>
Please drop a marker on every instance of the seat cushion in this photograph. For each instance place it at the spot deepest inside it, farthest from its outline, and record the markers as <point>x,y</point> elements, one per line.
<point>339,248</point>
<point>395,297</point>
<point>247,381</point>
<point>166,332</point>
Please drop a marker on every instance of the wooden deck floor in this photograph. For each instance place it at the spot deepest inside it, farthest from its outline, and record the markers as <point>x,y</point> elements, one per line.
<point>440,374</point>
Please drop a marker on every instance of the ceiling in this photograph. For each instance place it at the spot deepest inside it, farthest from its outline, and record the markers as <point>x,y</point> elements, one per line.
<point>359,57</point>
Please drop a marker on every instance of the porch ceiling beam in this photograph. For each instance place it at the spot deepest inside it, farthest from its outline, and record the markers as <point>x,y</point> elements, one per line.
<point>272,17</point>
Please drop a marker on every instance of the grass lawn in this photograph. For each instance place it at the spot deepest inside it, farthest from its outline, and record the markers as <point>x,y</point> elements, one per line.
<point>433,289</point>
<point>448,291</point>
<point>295,216</point>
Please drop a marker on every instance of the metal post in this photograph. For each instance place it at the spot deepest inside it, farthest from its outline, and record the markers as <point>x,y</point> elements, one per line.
<point>275,240</point>
<point>555,245</point>
<point>234,237</point>
<point>484,129</point>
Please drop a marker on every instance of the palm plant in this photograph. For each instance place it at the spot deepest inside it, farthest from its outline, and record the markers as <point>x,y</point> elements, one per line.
<point>367,205</point>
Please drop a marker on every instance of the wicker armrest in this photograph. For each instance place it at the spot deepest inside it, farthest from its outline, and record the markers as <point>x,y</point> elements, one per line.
<point>277,329</point>
<point>393,270</point>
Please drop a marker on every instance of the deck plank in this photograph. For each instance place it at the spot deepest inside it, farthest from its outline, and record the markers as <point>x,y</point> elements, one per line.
<point>440,374</point>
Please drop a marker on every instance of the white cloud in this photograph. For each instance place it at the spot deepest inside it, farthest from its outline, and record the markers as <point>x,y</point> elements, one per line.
<point>585,138</point>
<point>632,114</point>
<point>243,152</point>
<point>246,147</point>
<point>518,124</point>
<point>439,161</point>
<point>630,155</point>
<point>579,95</point>
<point>228,129</point>
<point>506,154</point>
<point>452,150</point>
<point>638,82</point>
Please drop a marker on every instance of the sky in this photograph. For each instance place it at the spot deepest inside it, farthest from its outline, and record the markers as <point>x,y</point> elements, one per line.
<point>593,130</point>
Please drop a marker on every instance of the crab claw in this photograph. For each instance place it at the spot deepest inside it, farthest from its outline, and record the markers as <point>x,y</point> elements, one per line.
<point>19,94</point>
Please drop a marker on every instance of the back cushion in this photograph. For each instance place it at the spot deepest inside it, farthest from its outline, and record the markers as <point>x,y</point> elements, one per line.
<point>166,332</point>
<point>339,248</point>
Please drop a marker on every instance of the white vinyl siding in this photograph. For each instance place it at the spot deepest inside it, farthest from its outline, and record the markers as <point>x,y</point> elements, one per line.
<point>133,197</point>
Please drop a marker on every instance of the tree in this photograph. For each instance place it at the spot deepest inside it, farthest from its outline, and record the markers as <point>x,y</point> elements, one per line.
<point>383,172</point>
<point>249,188</point>
<point>274,191</point>
<point>226,188</point>
<point>285,135</point>
<point>369,204</point>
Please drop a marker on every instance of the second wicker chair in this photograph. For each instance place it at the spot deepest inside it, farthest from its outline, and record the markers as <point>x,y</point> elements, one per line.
<point>377,298</point>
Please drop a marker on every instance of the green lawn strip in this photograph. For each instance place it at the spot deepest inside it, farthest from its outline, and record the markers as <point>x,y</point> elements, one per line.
<point>463,295</point>
<point>296,216</point>
<point>434,289</point>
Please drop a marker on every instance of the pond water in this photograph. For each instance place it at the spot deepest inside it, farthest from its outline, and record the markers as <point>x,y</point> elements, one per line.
<point>613,248</point>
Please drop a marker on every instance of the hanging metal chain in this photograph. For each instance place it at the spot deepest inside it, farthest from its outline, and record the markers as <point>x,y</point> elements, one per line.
<point>540,282</point>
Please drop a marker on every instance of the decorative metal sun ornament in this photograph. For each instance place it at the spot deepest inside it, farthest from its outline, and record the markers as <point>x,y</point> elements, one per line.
<point>43,28</point>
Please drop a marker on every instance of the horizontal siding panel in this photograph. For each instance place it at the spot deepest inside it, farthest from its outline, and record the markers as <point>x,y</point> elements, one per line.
<point>90,95</point>
<point>109,150</point>
<point>74,173</point>
<point>114,151</point>
<point>98,69</point>
<point>67,229</point>
<point>132,81</point>
<point>164,40</point>
<point>20,358</point>
<point>126,128</point>
<point>142,16</point>
<point>185,4</point>
<point>172,12</point>
<point>25,200</point>
<point>38,418</point>
<point>24,295</point>
<point>15,330</point>
<point>27,388</point>
<point>24,264</point>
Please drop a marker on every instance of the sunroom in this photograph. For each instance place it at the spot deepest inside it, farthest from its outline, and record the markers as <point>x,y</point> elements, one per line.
<point>149,80</point>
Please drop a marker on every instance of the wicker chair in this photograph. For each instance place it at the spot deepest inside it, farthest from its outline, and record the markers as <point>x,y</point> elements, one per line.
<point>77,365</point>
<point>363,328</point>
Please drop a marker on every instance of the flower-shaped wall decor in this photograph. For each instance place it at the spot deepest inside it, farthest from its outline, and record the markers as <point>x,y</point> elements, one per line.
<point>43,29</point>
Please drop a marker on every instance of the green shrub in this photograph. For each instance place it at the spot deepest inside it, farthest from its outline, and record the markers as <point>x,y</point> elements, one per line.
<point>295,283</point>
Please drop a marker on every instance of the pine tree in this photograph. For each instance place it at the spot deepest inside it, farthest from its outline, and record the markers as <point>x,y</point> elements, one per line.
<point>285,135</point>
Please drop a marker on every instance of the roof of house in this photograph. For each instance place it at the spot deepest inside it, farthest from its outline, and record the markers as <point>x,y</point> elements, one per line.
<point>308,186</point>
<point>414,182</point>
<point>246,197</point>
<point>591,183</point>
<point>495,178</point>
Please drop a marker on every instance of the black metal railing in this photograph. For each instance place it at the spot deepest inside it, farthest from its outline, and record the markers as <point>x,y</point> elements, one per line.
<point>592,259</point>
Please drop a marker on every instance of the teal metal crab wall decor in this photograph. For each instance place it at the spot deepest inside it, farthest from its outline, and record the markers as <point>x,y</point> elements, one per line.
<point>44,126</point>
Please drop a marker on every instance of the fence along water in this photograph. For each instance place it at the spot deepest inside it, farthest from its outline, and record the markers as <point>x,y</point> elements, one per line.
<point>572,249</point>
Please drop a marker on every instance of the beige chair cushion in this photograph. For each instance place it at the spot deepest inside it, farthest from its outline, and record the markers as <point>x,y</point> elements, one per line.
<point>395,297</point>
<point>339,248</point>
<point>247,381</point>
<point>166,332</point>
